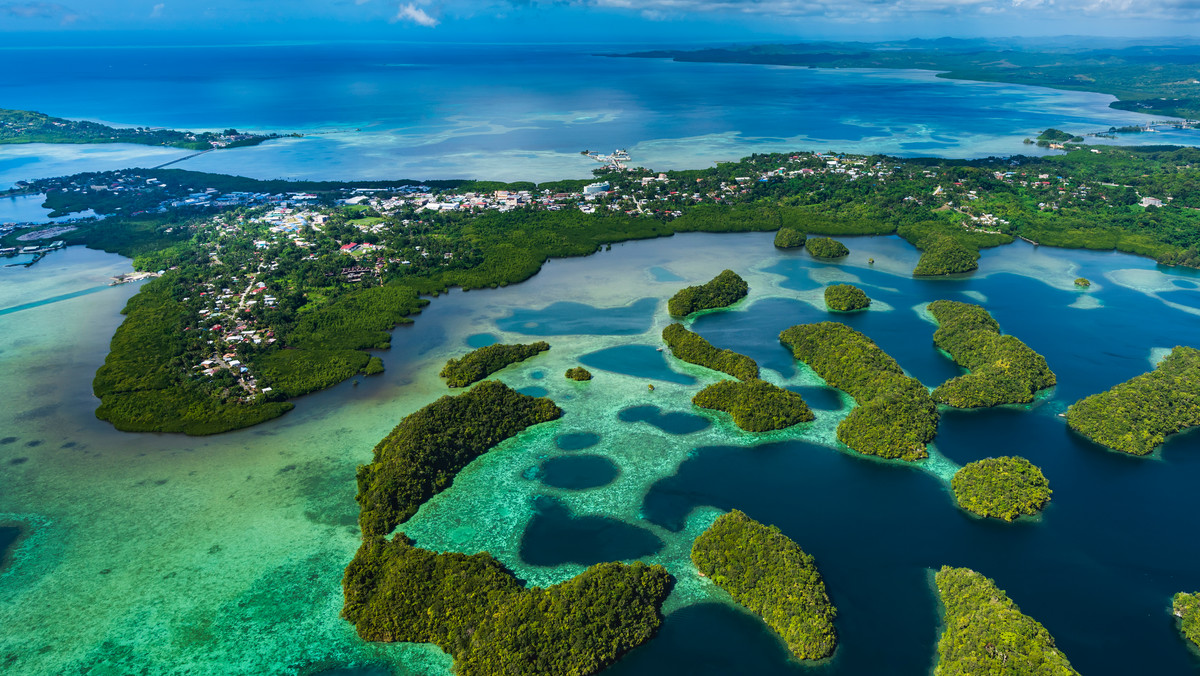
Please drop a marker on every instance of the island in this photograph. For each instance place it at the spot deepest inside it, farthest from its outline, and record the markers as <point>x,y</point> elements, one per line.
<point>25,126</point>
<point>1083,282</point>
<point>1001,488</point>
<point>423,453</point>
<point>1136,416</point>
<point>986,633</point>
<point>579,373</point>
<point>694,349</point>
<point>1059,136</point>
<point>721,291</point>
<point>767,573</point>
<point>1186,607</point>
<point>755,405</point>
<point>477,611</point>
<point>483,362</point>
<point>944,255</point>
<point>846,298</point>
<point>1003,370</point>
<point>825,247</point>
<point>895,417</point>
<point>789,238</point>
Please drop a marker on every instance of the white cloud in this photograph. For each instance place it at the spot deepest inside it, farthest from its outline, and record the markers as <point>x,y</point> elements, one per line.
<point>411,12</point>
<point>157,11</point>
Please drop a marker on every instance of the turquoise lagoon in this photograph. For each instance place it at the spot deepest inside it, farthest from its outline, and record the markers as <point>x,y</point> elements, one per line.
<point>388,110</point>
<point>168,554</point>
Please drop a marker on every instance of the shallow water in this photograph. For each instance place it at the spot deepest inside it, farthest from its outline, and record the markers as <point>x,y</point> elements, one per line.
<point>224,554</point>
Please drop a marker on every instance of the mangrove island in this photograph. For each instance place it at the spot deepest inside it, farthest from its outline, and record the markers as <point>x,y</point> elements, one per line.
<point>826,247</point>
<point>721,291</point>
<point>846,298</point>
<point>694,349</point>
<point>1002,488</point>
<point>755,405</point>
<point>479,364</point>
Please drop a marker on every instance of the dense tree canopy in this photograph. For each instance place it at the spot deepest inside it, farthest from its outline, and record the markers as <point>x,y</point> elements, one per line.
<point>768,573</point>
<point>579,373</point>
<point>1137,415</point>
<point>986,634</point>
<point>421,456</point>
<point>694,349</point>
<point>721,291</point>
<point>1004,370</point>
<point>895,416</point>
<point>483,362</point>
<point>825,247</point>
<point>944,255</point>
<point>1187,608</point>
<point>1003,488</point>
<point>846,298</point>
<point>789,238</point>
<point>755,405</point>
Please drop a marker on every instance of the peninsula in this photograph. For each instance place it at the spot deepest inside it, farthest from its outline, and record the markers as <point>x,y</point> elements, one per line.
<point>24,126</point>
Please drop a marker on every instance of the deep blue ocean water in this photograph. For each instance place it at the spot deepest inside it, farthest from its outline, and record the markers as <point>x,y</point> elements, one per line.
<point>408,110</point>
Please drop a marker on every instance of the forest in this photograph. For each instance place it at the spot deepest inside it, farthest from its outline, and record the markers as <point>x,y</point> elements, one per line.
<point>846,298</point>
<point>1003,370</point>
<point>1136,416</point>
<point>694,349</point>
<point>1001,488</point>
<point>789,238</point>
<point>944,255</point>
<point>24,126</point>
<point>578,373</point>
<point>825,247</point>
<point>1186,607</point>
<point>483,362</point>
<point>721,291</point>
<point>755,405</point>
<point>423,453</point>
<point>987,635</point>
<point>476,610</point>
<point>769,574</point>
<point>895,417</point>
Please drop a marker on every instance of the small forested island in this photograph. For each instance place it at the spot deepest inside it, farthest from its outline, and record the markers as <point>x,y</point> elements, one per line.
<point>1002,488</point>
<point>721,291</point>
<point>483,362</point>
<point>476,610</point>
<point>1137,415</point>
<point>987,635</point>
<point>24,126</point>
<point>895,416</point>
<point>789,238</point>
<point>1003,370</point>
<point>579,373</point>
<point>1187,608</point>
<point>1053,135</point>
<point>421,456</point>
<point>768,573</point>
<point>694,349</point>
<point>943,255</point>
<point>755,405</point>
<point>846,298</point>
<point>1083,282</point>
<point>825,247</point>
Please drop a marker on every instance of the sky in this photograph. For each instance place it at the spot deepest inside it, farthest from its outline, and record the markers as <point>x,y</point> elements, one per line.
<point>588,21</point>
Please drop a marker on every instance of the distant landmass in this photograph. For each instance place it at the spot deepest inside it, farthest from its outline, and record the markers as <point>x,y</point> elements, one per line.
<point>26,126</point>
<point>1145,79</point>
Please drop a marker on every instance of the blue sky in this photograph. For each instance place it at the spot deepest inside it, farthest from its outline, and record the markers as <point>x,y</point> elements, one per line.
<point>601,21</point>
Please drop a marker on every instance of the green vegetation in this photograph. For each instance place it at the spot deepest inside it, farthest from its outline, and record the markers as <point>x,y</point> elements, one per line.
<point>23,126</point>
<point>1187,608</point>
<point>374,366</point>
<point>1137,415</point>
<point>824,247</point>
<point>789,238</point>
<point>986,634</point>
<point>846,298</point>
<point>765,571</point>
<point>1004,370</point>
<point>721,291</point>
<point>1003,488</point>
<point>579,373</point>
<point>479,364</point>
<point>943,255</point>
<point>421,456</point>
<point>895,416</point>
<point>475,610</point>
<point>694,349</point>
<point>1083,282</point>
<point>756,405</point>
<point>1053,135</point>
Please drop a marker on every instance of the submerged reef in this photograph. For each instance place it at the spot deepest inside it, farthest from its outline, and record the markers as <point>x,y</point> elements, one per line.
<point>987,634</point>
<point>1003,488</point>
<point>1136,416</point>
<point>895,417</point>
<point>479,364</point>
<point>768,573</point>
<point>1004,370</point>
<point>721,291</point>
